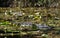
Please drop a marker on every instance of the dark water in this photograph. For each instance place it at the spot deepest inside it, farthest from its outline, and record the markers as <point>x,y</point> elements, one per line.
<point>10,36</point>
<point>15,36</point>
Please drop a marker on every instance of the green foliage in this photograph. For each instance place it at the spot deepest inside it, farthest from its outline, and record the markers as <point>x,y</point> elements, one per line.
<point>4,23</point>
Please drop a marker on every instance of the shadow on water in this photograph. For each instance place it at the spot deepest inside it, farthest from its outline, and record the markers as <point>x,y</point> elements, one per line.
<point>1,31</point>
<point>26,36</point>
<point>16,36</point>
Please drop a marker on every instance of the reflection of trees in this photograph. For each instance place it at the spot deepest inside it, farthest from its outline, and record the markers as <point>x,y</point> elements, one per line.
<point>45,3</point>
<point>27,3</point>
<point>5,3</point>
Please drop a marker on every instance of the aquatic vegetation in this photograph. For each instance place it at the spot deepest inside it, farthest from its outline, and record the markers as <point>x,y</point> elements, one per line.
<point>5,23</point>
<point>39,18</point>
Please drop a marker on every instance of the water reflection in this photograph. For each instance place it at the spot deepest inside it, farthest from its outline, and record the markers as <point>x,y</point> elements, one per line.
<point>16,36</point>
